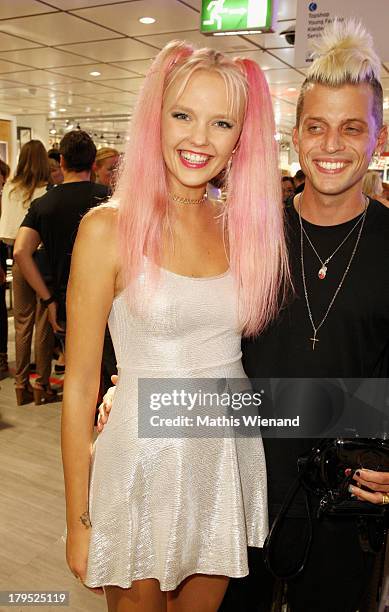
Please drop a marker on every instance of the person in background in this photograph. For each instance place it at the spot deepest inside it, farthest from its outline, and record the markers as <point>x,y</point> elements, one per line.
<point>105,166</point>
<point>299,181</point>
<point>53,219</point>
<point>105,170</point>
<point>385,192</point>
<point>55,167</point>
<point>30,181</point>
<point>372,186</point>
<point>4,174</point>
<point>287,186</point>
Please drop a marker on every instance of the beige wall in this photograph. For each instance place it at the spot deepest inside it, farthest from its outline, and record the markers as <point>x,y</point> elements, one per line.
<point>6,135</point>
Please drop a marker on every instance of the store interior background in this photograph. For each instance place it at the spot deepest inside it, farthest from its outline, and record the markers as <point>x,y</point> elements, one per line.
<point>69,63</point>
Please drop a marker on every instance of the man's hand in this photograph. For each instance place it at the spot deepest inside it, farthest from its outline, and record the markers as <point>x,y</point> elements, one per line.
<point>376,482</point>
<point>52,316</point>
<point>106,405</point>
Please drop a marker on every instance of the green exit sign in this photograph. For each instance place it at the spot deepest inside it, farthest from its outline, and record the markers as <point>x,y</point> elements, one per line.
<point>220,17</point>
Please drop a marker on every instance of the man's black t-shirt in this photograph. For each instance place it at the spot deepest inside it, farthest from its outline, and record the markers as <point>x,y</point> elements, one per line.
<point>56,217</point>
<point>353,340</point>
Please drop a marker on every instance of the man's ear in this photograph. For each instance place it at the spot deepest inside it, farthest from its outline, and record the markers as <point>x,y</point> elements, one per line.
<point>382,139</point>
<point>62,162</point>
<point>295,139</point>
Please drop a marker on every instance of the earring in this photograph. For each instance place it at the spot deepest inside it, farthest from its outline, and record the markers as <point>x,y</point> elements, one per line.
<point>224,184</point>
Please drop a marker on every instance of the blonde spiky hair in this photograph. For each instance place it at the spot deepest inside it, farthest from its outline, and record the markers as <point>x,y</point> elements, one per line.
<point>345,55</point>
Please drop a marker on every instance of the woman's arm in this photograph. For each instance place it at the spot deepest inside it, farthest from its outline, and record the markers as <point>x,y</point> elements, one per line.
<point>90,294</point>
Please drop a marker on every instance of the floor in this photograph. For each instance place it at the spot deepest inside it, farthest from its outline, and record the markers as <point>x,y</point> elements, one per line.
<point>32,551</point>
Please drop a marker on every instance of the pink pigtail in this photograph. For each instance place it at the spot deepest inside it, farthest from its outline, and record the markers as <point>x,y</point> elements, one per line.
<point>258,255</point>
<point>141,189</point>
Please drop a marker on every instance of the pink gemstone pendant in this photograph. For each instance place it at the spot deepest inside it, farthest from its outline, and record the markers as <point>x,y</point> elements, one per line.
<point>322,272</point>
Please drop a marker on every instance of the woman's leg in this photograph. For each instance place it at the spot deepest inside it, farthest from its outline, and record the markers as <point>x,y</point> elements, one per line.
<point>24,316</point>
<point>143,596</point>
<point>198,593</point>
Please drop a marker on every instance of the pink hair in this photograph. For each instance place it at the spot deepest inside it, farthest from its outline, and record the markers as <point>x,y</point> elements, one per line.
<point>258,256</point>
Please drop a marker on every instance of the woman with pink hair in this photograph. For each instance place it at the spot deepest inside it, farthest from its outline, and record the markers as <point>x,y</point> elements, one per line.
<point>161,523</point>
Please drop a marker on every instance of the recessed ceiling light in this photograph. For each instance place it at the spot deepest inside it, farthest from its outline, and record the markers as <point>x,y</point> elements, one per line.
<point>95,73</point>
<point>291,89</point>
<point>62,110</point>
<point>147,20</point>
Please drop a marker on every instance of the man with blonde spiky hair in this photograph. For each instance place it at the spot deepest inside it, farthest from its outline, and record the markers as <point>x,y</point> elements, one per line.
<point>338,323</point>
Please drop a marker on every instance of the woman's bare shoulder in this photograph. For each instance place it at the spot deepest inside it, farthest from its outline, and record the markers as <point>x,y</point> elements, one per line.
<point>101,222</point>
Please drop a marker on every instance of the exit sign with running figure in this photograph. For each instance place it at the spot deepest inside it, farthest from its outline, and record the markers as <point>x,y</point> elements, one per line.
<point>220,17</point>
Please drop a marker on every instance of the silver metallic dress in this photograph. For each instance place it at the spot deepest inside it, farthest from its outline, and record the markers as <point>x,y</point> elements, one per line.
<point>167,508</point>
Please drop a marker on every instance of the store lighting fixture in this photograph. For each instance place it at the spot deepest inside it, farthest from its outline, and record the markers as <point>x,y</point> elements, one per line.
<point>62,110</point>
<point>291,89</point>
<point>53,130</point>
<point>147,20</point>
<point>95,73</point>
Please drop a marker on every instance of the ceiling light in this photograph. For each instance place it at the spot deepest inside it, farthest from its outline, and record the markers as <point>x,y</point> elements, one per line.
<point>95,73</point>
<point>147,20</point>
<point>62,110</point>
<point>291,89</point>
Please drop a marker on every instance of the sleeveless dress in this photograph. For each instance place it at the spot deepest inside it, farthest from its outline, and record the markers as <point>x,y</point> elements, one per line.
<point>167,508</point>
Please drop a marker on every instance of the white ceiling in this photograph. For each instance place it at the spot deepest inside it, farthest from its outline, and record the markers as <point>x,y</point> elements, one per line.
<point>49,48</point>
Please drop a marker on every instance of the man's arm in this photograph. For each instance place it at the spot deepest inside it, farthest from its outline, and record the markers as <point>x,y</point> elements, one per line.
<point>26,243</point>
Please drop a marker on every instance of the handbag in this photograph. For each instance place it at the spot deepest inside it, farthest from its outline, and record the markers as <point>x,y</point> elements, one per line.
<point>321,476</point>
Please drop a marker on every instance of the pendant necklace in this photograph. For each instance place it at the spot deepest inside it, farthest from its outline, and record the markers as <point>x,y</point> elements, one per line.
<point>317,327</point>
<point>322,273</point>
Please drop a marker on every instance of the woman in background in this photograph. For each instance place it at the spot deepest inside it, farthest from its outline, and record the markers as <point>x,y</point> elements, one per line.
<point>30,182</point>
<point>105,167</point>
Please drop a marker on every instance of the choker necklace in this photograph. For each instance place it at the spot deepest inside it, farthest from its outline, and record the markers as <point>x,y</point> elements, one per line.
<point>322,273</point>
<point>181,200</point>
<point>317,327</point>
